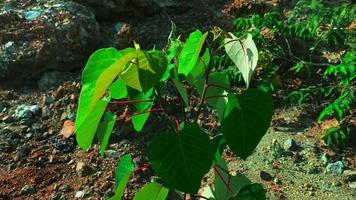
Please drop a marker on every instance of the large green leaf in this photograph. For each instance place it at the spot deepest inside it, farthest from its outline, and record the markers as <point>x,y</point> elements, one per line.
<point>244,54</point>
<point>104,130</point>
<point>246,120</point>
<point>122,175</point>
<point>100,71</point>
<point>139,120</point>
<point>181,159</point>
<point>230,185</point>
<point>190,52</point>
<point>86,132</point>
<point>152,191</point>
<point>253,191</point>
<point>118,89</point>
<point>146,70</point>
<point>201,65</point>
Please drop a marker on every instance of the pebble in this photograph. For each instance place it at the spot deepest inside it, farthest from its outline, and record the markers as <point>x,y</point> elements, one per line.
<point>353,185</point>
<point>335,168</point>
<point>113,154</point>
<point>28,189</point>
<point>82,169</point>
<point>79,194</point>
<point>349,175</point>
<point>265,176</point>
<point>290,145</point>
<point>10,47</point>
<point>24,111</point>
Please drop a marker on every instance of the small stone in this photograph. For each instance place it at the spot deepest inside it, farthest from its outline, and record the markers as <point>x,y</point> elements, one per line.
<point>82,169</point>
<point>290,145</point>
<point>65,188</point>
<point>28,189</point>
<point>335,168</point>
<point>349,175</point>
<point>113,154</point>
<point>23,111</point>
<point>31,15</point>
<point>34,109</point>
<point>266,176</point>
<point>10,47</point>
<point>79,194</point>
<point>353,185</point>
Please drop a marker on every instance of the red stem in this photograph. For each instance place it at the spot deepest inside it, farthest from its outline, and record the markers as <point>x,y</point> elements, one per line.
<point>140,113</point>
<point>222,179</point>
<point>142,168</point>
<point>177,124</point>
<point>199,196</point>
<point>130,101</point>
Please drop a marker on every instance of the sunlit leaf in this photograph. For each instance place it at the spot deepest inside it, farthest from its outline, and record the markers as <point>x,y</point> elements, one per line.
<point>152,191</point>
<point>105,129</point>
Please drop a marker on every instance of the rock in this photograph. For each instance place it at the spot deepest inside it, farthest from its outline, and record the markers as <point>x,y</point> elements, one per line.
<point>276,149</point>
<point>79,194</point>
<point>335,168</point>
<point>266,176</point>
<point>353,185</point>
<point>46,113</point>
<point>49,80</point>
<point>41,35</point>
<point>113,154</point>
<point>82,169</point>
<point>349,175</point>
<point>28,189</point>
<point>24,111</point>
<point>290,145</point>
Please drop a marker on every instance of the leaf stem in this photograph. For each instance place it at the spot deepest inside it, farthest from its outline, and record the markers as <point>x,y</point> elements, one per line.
<point>140,113</point>
<point>130,101</point>
<point>223,180</point>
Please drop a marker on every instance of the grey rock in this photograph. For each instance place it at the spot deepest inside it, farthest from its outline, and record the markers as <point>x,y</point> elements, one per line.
<point>42,35</point>
<point>28,189</point>
<point>80,194</point>
<point>24,111</point>
<point>266,176</point>
<point>113,154</point>
<point>290,145</point>
<point>335,168</point>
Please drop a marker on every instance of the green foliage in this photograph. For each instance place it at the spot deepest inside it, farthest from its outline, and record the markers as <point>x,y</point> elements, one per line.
<point>181,159</point>
<point>152,191</point>
<point>135,78</point>
<point>336,136</point>
<point>246,120</point>
<point>122,175</point>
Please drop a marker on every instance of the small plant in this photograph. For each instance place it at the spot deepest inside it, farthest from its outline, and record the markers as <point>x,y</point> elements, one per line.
<point>180,157</point>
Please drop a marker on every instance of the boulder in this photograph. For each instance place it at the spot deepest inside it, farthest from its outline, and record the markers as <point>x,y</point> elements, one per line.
<point>37,35</point>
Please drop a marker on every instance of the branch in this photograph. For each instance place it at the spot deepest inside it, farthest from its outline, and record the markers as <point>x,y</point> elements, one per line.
<point>140,113</point>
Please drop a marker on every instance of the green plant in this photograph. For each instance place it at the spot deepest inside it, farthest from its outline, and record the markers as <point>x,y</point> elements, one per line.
<point>181,157</point>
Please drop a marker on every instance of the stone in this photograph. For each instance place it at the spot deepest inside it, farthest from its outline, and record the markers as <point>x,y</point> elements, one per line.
<point>79,194</point>
<point>290,145</point>
<point>25,112</point>
<point>266,176</point>
<point>42,35</point>
<point>82,169</point>
<point>349,175</point>
<point>113,154</point>
<point>335,168</point>
<point>352,185</point>
<point>28,189</point>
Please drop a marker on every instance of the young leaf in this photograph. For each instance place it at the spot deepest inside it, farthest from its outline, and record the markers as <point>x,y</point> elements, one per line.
<point>181,159</point>
<point>226,186</point>
<point>139,121</point>
<point>190,52</point>
<point>85,133</point>
<point>118,89</point>
<point>182,90</point>
<point>244,54</point>
<point>246,120</point>
<point>145,71</point>
<point>201,65</point>
<point>100,71</point>
<point>104,130</point>
<point>122,175</point>
<point>152,191</point>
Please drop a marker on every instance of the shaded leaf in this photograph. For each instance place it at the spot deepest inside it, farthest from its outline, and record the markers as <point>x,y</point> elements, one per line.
<point>182,90</point>
<point>253,191</point>
<point>105,129</point>
<point>246,120</point>
<point>181,159</point>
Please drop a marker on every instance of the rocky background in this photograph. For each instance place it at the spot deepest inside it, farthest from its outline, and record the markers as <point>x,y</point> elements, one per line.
<point>44,45</point>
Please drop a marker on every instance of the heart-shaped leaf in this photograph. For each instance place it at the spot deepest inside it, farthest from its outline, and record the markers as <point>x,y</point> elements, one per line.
<point>181,159</point>
<point>118,89</point>
<point>246,120</point>
<point>244,54</point>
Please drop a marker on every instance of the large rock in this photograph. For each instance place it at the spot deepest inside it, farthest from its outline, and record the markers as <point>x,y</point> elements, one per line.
<point>37,35</point>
